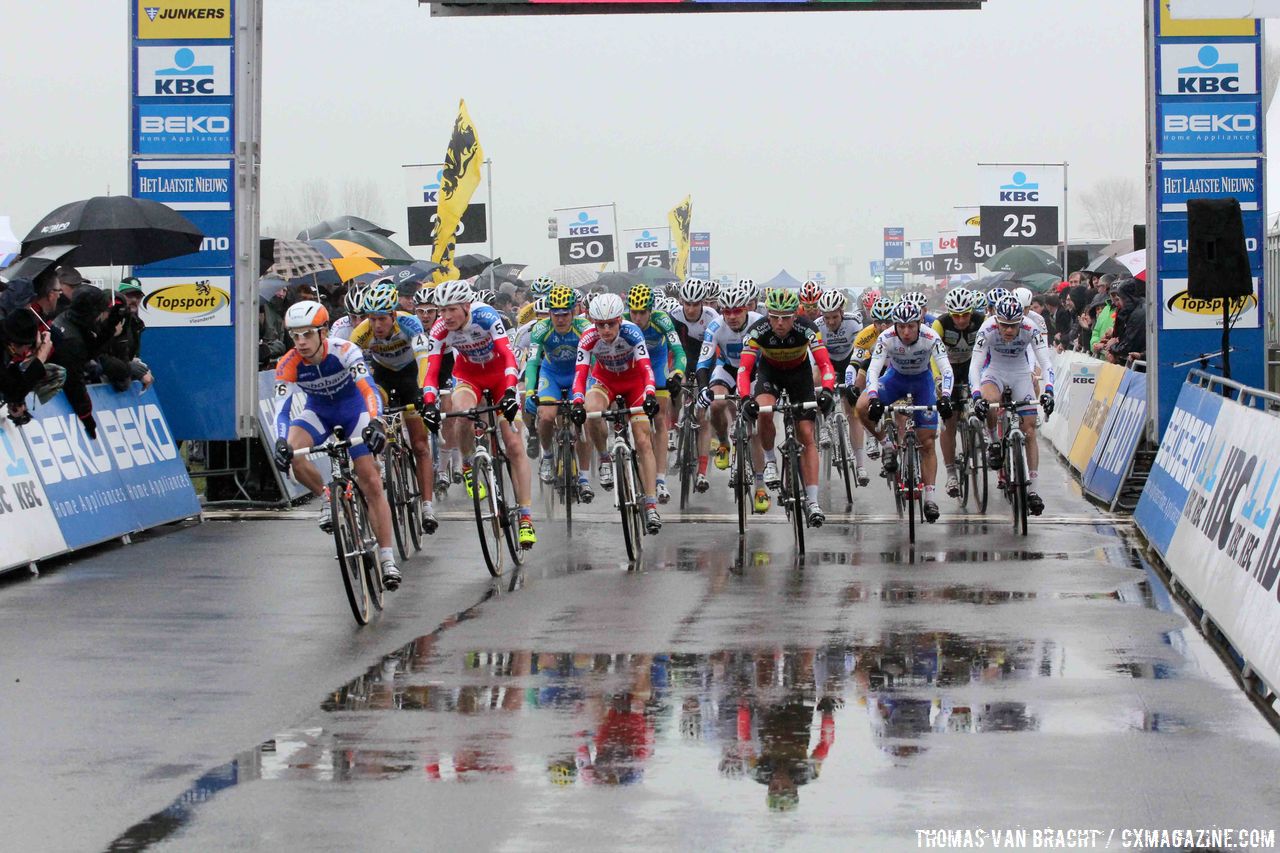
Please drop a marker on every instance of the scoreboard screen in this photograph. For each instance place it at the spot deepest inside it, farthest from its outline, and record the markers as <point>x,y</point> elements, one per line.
<point>607,7</point>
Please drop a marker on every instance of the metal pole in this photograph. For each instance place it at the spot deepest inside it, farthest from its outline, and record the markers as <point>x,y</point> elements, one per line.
<point>617,239</point>
<point>489,165</point>
<point>1066,225</point>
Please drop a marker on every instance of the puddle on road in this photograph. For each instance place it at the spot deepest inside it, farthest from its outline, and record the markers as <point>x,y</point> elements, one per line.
<point>765,719</point>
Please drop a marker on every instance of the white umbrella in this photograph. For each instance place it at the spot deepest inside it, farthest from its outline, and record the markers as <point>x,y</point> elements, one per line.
<point>1134,262</point>
<point>10,246</point>
<point>572,276</point>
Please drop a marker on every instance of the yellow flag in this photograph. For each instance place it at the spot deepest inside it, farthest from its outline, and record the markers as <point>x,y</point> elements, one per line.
<point>680,217</point>
<point>457,184</point>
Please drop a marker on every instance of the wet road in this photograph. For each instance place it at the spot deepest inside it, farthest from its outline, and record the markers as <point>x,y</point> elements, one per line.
<point>206,689</point>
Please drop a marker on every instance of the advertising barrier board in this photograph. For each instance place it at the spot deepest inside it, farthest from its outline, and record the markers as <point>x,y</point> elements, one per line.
<point>28,528</point>
<point>1121,433</point>
<point>267,420</point>
<point>1076,374</point>
<point>1095,416</point>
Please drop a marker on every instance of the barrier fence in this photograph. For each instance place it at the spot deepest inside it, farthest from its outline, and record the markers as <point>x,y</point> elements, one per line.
<point>1211,509</point>
<point>60,491</point>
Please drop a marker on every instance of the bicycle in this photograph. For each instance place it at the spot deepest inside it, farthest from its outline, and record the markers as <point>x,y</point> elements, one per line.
<point>626,474</point>
<point>908,480</point>
<point>564,489</point>
<point>497,518</point>
<point>972,459</point>
<point>839,452</point>
<point>400,480</point>
<point>742,474</point>
<point>1014,476</point>
<point>356,546</point>
<point>791,493</point>
<point>686,458</point>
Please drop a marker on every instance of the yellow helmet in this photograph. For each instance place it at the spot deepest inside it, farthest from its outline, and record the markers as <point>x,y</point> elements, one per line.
<point>561,298</point>
<point>525,315</point>
<point>640,298</point>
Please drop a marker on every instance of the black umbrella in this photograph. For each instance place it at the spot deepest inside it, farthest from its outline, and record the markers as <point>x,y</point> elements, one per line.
<point>617,282</point>
<point>1105,264</point>
<point>469,265</point>
<point>499,273</point>
<point>383,247</point>
<point>329,227</point>
<point>114,230</point>
<point>37,262</point>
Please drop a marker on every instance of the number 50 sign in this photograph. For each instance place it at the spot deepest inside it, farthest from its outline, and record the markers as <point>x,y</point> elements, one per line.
<point>585,235</point>
<point>1003,227</point>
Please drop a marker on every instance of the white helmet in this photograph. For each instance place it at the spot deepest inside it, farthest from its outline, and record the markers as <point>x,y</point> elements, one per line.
<point>668,305</point>
<point>455,293</point>
<point>606,306</point>
<point>740,295</point>
<point>1023,295</point>
<point>832,300</point>
<point>307,314</point>
<point>693,290</point>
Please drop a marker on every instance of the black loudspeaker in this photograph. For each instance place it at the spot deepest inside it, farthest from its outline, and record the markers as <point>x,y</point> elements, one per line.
<point>1139,237</point>
<point>1217,260</point>
<point>1077,259</point>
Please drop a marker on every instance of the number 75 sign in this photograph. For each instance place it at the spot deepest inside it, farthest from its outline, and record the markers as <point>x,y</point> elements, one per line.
<point>1003,227</point>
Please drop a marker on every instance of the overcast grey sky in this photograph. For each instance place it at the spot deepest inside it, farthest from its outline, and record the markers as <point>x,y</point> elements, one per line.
<point>797,134</point>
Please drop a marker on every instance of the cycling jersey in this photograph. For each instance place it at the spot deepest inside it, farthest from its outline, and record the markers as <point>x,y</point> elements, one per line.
<point>342,327</point>
<point>337,393</point>
<point>994,358</point>
<point>864,343</point>
<point>692,331</point>
<point>521,341</point>
<point>959,343</point>
<point>406,346</point>
<point>722,345</point>
<point>840,340</point>
<point>783,353</point>
<point>620,366</point>
<point>483,357</point>
<point>912,359</point>
<point>661,339</point>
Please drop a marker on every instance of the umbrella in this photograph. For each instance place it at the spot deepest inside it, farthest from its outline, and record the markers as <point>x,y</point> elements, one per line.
<point>618,282</point>
<point>329,227</point>
<point>295,258</point>
<point>471,265</point>
<point>348,259</point>
<point>571,276</point>
<point>655,275</point>
<point>1134,262</point>
<point>417,272</point>
<point>269,284</point>
<point>1039,282</point>
<point>116,229</point>
<point>1120,247</point>
<point>999,279</point>
<point>499,273</point>
<point>380,246</point>
<point>1104,264</point>
<point>37,262</point>
<point>1023,260</point>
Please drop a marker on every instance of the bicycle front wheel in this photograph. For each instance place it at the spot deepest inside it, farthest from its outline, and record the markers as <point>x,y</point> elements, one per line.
<point>1018,487</point>
<point>369,549</point>
<point>628,502</point>
<point>350,548</point>
<point>484,500</point>
<point>793,492</point>
<point>742,479</point>
<point>688,456</point>
<point>844,456</point>
<point>978,467</point>
<point>392,486</point>
<point>910,477</point>
<point>412,497</point>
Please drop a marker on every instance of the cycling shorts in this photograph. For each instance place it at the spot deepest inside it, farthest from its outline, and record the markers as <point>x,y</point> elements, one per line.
<point>398,387</point>
<point>895,386</point>
<point>840,368</point>
<point>659,361</point>
<point>1021,384</point>
<point>480,378</point>
<point>319,421</point>
<point>630,385</point>
<point>551,385</point>
<point>797,382</point>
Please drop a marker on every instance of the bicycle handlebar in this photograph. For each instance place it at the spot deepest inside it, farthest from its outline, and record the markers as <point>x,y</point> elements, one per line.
<point>899,409</point>
<point>610,414</point>
<point>327,447</point>
<point>781,407</point>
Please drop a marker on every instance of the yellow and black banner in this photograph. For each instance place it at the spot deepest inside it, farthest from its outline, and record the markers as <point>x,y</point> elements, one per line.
<point>680,218</point>
<point>458,181</point>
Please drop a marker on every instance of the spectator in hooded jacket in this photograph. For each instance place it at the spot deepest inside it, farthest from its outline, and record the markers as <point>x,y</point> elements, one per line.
<point>1130,338</point>
<point>24,349</point>
<point>85,332</point>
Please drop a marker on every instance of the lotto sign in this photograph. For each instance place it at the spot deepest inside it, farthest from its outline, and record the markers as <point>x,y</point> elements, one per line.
<point>184,19</point>
<point>947,243</point>
<point>648,247</point>
<point>584,235</point>
<point>1019,226</point>
<point>194,70</point>
<point>1218,68</point>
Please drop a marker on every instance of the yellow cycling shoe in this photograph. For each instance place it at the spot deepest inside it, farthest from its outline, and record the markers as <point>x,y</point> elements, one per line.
<point>466,479</point>
<point>722,457</point>
<point>527,537</point>
<point>762,501</point>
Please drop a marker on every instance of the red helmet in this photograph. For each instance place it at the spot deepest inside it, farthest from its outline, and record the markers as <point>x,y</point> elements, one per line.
<point>810,292</point>
<point>869,297</point>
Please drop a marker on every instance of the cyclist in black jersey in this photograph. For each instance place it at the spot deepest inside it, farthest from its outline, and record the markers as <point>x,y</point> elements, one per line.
<point>958,328</point>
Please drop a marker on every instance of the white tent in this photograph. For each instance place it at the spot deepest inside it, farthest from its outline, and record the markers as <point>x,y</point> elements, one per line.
<point>10,246</point>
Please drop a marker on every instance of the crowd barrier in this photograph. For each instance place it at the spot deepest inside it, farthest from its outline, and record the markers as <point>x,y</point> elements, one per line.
<point>59,491</point>
<point>1097,422</point>
<point>1211,509</point>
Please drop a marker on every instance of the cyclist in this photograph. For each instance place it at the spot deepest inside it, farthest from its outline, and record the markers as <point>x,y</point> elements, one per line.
<point>397,345</point>
<point>446,451</point>
<point>522,345</point>
<point>868,298</point>
<point>1024,297</point>
<point>353,301</point>
<point>1000,361</point>
<point>717,367</point>
<point>613,354</point>
<point>782,344</point>
<point>958,328</point>
<point>907,349</point>
<point>840,328</point>
<point>662,341</point>
<point>881,318</point>
<point>810,293</point>
<point>550,370</point>
<point>691,321</point>
<point>921,300</point>
<point>333,375</point>
<point>483,361</point>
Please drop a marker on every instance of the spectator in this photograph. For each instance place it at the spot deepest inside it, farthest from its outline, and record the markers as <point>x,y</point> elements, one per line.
<point>82,339</point>
<point>405,290</point>
<point>69,279</point>
<point>25,348</point>
<point>1130,338</point>
<point>1106,315</point>
<point>1074,304</point>
<point>502,303</point>
<point>120,358</point>
<point>272,292</point>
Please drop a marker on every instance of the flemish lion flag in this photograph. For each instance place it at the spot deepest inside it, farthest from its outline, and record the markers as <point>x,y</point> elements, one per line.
<point>680,218</point>
<point>457,184</point>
